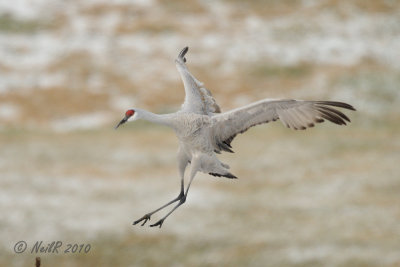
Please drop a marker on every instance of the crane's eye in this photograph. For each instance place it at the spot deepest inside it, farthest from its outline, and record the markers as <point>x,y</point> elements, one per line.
<point>129,113</point>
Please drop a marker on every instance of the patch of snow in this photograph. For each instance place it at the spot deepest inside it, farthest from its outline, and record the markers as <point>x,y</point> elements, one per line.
<point>122,103</point>
<point>85,121</point>
<point>27,9</point>
<point>143,3</point>
<point>8,111</point>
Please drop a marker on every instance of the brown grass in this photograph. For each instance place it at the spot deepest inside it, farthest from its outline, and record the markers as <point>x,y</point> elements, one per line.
<point>42,106</point>
<point>336,198</point>
<point>275,8</point>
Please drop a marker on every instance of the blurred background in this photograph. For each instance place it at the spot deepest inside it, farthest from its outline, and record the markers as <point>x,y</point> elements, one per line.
<point>328,196</point>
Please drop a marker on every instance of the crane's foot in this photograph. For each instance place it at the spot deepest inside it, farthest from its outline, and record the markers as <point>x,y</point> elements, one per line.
<point>145,218</point>
<point>159,223</point>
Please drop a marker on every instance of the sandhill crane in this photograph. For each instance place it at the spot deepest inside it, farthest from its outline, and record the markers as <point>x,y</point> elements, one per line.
<point>203,130</point>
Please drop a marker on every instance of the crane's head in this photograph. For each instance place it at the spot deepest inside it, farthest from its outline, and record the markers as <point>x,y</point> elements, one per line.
<point>130,113</point>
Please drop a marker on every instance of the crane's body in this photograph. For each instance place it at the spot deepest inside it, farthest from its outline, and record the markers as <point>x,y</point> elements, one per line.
<point>203,131</point>
<point>194,132</point>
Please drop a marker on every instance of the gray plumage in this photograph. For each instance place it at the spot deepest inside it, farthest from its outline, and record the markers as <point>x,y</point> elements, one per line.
<point>203,130</point>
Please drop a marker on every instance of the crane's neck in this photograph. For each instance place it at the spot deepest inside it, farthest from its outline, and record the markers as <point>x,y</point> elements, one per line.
<point>163,119</point>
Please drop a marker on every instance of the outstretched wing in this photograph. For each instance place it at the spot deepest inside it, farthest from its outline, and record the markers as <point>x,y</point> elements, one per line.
<point>295,114</point>
<point>198,99</point>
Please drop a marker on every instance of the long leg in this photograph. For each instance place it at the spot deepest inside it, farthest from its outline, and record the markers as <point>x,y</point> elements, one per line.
<point>182,167</point>
<point>181,201</point>
<point>147,216</point>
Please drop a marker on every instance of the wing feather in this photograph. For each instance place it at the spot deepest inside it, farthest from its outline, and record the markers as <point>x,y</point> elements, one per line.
<point>197,98</point>
<point>295,114</point>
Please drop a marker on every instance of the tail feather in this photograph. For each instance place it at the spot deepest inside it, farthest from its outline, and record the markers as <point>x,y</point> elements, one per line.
<point>227,175</point>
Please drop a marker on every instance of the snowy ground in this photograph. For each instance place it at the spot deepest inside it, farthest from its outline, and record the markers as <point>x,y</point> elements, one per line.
<point>118,49</point>
<point>301,198</point>
<point>323,197</point>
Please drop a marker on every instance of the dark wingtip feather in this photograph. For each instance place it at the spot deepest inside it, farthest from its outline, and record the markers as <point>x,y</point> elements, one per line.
<point>331,116</point>
<point>227,175</point>
<point>183,52</point>
<point>229,145</point>
<point>226,148</point>
<point>337,104</point>
<point>335,111</point>
<point>230,176</point>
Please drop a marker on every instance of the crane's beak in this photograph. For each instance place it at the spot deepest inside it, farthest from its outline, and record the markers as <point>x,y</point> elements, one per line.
<point>121,122</point>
